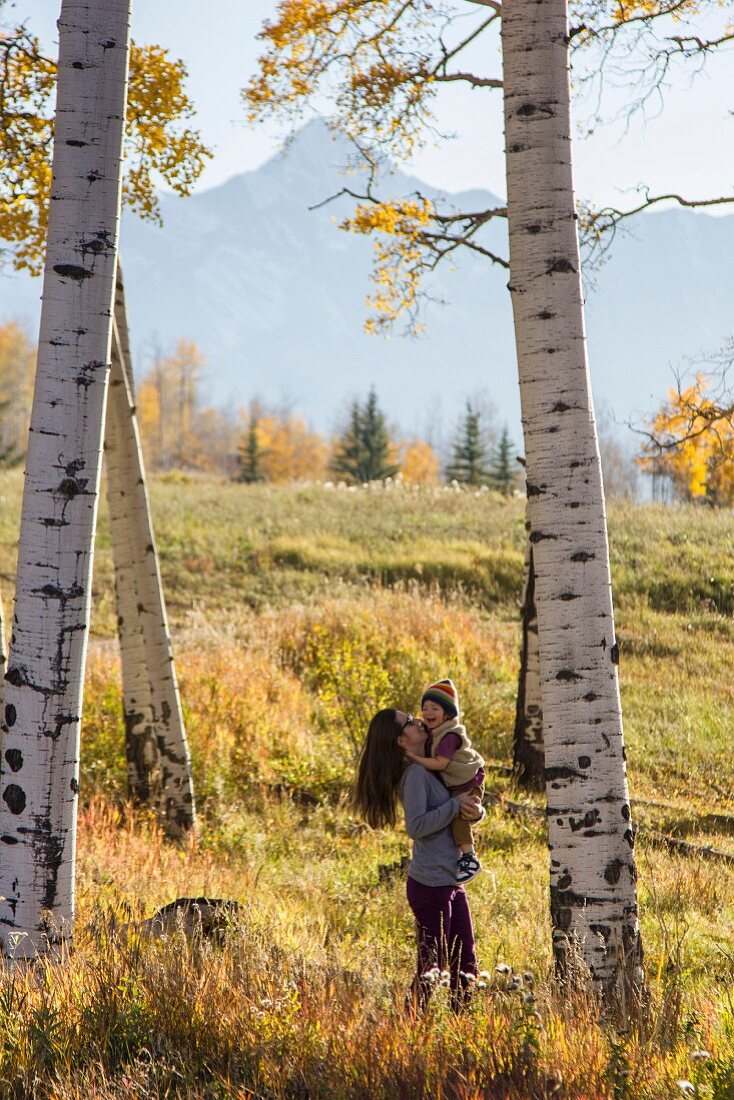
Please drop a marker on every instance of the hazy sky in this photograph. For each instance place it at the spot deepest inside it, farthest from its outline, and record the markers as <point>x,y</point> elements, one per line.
<point>688,146</point>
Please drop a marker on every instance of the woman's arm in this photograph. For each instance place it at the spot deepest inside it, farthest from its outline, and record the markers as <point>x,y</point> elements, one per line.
<point>419,820</point>
<point>430,763</point>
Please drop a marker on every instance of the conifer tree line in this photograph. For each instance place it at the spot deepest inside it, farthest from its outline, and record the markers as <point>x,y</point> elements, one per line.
<point>260,444</point>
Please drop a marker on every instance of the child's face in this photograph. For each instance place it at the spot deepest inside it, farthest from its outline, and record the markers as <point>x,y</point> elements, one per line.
<point>433,714</point>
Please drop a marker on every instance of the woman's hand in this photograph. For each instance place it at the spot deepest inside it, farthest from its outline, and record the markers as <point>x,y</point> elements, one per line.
<point>469,806</point>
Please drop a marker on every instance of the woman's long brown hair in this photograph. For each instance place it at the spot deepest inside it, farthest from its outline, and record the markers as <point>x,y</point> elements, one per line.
<point>381,766</point>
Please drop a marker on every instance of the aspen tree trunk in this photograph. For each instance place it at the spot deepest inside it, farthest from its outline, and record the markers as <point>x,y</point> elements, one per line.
<point>39,780</point>
<point>3,656</point>
<point>159,768</point>
<point>593,891</point>
<point>528,749</point>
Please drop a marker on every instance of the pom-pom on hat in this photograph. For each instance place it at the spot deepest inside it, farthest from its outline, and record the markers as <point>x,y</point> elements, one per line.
<point>445,694</point>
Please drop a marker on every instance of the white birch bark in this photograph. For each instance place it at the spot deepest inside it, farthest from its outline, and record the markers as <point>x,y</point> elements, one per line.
<point>159,767</point>
<point>528,749</point>
<point>39,780</point>
<point>593,891</point>
<point>3,656</point>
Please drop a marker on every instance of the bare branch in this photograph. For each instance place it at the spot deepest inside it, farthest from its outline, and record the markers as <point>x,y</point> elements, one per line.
<point>598,227</point>
<point>690,44</point>
<point>430,239</point>
<point>475,219</point>
<point>478,218</point>
<point>487,4</point>
<point>638,49</point>
<point>338,194</point>
<point>672,197</point>
<point>469,78</point>
<point>447,55</point>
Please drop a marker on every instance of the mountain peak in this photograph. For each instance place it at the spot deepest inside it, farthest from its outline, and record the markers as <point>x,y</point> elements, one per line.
<point>274,295</point>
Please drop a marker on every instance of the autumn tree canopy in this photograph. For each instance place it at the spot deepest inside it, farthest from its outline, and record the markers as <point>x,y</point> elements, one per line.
<point>379,64</point>
<point>287,449</point>
<point>691,441</point>
<point>158,140</point>
<point>376,67</point>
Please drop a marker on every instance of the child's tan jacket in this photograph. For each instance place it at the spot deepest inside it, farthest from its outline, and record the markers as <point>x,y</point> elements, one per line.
<point>466,761</point>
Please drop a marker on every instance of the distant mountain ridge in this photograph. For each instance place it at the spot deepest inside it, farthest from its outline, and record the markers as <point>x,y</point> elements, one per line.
<point>274,294</point>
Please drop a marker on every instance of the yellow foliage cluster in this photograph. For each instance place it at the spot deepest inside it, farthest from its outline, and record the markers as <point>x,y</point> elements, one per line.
<point>627,10</point>
<point>378,83</point>
<point>402,216</point>
<point>419,463</point>
<point>27,81</point>
<point>351,45</point>
<point>155,142</point>
<point>289,451</point>
<point>177,432</point>
<point>692,442</point>
<point>400,260</point>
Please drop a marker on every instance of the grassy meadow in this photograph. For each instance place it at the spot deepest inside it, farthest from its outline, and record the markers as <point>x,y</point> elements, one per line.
<point>297,612</point>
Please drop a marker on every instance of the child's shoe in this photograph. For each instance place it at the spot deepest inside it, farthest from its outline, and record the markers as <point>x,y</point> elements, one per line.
<point>469,867</point>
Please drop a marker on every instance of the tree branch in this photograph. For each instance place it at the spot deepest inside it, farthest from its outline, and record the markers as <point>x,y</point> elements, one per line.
<point>479,217</point>
<point>456,242</point>
<point>469,78</point>
<point>338,194</point>
<point>644,18</point>
<point>693,44</point>
<point>620,215</point>
<point>598,227</point>
<point>447,55</point>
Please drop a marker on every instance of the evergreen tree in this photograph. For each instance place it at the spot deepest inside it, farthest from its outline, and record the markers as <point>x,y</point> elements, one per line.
<point>363,449</point>
<point>502,466</point>
<point>470,451</point>
<point>249,455</point>
<point>376,439</point>
<point>349,458</point>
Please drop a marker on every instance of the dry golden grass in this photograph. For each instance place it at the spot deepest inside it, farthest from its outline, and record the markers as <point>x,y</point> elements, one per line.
<point>306,996</point>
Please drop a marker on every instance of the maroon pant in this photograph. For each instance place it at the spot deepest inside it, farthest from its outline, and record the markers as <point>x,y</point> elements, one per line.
<point>445,939</point>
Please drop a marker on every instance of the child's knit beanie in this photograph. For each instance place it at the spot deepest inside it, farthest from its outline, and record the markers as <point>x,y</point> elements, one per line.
<point>445,694</point>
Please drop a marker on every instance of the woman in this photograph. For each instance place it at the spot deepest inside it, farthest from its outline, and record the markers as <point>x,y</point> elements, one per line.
<point>439,903</point>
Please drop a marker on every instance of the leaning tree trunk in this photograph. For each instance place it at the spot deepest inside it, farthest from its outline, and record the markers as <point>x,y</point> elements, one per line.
<point>159,768</point>
<point>593,892</point>
<point>43,698</point>
<point>3,655</point>
<point>528,749</point>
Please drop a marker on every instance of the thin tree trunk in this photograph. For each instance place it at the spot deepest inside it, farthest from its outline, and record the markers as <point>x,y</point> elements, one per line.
<point>159,767</point>
<point>528,749</point>
<point>43,699</point>
<point>3,656</point>
<point>593,891</point>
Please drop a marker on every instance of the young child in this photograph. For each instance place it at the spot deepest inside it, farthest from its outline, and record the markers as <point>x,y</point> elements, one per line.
<point>451,754</point>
